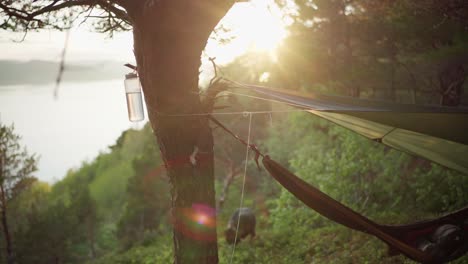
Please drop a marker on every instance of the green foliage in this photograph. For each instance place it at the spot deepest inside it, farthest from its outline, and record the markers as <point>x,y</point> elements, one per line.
<point>373,49</point>
<point>82,215</point>
<point>68,226</point>
<point>16,165</point>
<point>147,199</point>
<point>158,252</point>
<point>16,169</point>
<point>56,226</point>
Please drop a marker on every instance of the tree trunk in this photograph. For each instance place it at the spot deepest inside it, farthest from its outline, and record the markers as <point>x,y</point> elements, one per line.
<point>451,80</point>
<point>3,207</point>
<point>231,173</point>
<point>353,87</point>
<point>91,238</point>
<point>169,37</point>
<point>6,231</point>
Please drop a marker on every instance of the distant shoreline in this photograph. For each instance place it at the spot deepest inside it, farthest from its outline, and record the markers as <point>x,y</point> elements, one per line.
<point>13,73</point>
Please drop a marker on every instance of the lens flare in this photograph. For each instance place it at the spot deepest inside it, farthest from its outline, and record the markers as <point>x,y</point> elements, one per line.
<point>201,219</point>
<point>197,222</point>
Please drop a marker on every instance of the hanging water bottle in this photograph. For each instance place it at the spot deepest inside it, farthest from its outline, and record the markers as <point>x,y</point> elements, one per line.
<point>134,99</point>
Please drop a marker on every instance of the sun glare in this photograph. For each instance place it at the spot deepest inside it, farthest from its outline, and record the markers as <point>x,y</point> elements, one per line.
<point>257,25</point>
<point>260,22</point>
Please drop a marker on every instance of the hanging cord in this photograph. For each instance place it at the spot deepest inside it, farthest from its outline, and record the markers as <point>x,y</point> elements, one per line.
<point>253,147</point>
<point>243,185</point>
<point>303,109</point>
<point>62,64</point>
<point>233,113</point>
<point>265,99</point>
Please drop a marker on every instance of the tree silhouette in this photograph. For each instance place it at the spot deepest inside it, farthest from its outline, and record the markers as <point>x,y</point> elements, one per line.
<point>16,168</point>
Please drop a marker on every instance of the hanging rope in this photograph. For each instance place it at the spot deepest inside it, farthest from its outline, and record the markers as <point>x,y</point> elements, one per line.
<point>243,184</point>
<point>62,65</point>
<point>234,113</point>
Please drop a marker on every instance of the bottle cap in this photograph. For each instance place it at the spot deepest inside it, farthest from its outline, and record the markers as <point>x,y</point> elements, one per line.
<point>131,75</point>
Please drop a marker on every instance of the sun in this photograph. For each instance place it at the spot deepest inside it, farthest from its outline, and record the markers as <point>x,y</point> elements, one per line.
<point>260,23</point>
<point>257,25</point>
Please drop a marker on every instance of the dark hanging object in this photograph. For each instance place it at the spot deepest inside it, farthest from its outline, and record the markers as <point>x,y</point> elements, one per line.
<point>448,234</point>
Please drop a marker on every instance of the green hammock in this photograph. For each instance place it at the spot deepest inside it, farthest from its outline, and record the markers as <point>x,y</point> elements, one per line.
<point>435,133</point>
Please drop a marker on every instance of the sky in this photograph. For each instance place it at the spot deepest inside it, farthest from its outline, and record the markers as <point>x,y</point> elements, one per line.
<point>256,25</point>
<point>88,117</point>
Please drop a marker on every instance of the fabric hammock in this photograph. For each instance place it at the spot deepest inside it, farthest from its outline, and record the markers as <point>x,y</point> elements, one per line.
<point>435,133</point>
<point>439,134</point>
<point>403,238</point>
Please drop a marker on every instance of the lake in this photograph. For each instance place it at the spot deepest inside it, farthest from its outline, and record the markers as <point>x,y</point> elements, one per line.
<point>85,119</point>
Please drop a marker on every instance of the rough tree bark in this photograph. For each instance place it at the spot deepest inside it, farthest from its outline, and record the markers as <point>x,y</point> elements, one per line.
<point>3,208</point>
<point>169,37</point>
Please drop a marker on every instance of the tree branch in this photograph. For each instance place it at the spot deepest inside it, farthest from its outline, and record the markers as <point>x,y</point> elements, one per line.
<point>116,14</point>
<point>119,13</point>
<point>24,15</point>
